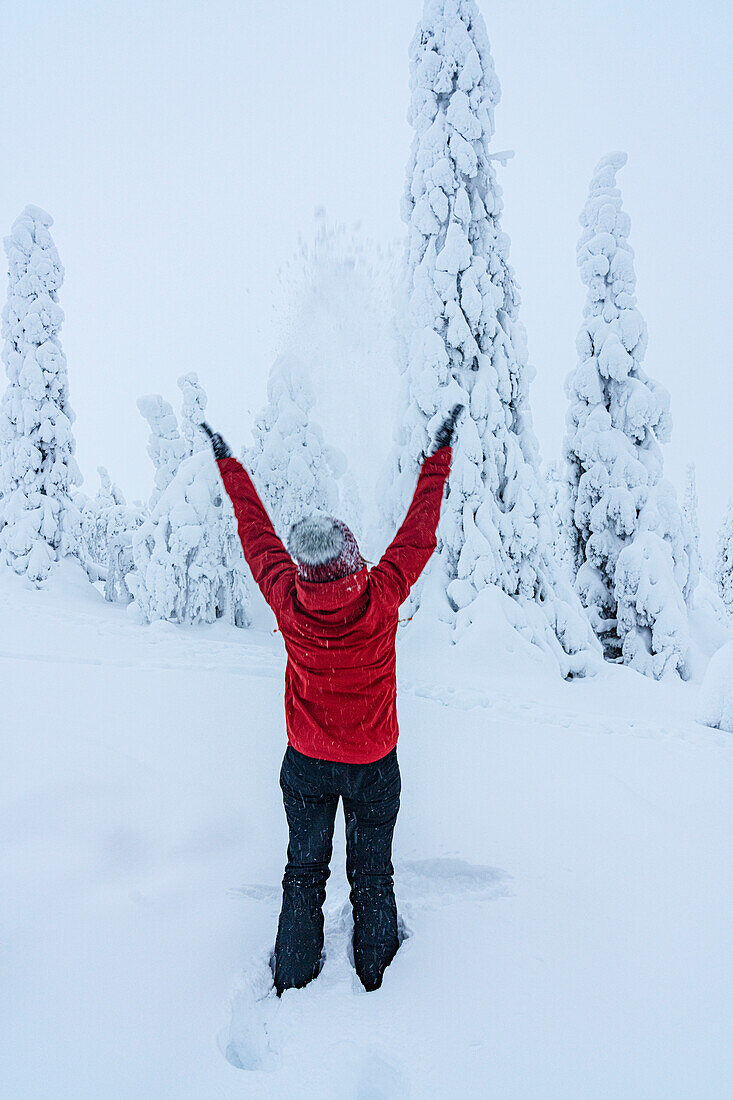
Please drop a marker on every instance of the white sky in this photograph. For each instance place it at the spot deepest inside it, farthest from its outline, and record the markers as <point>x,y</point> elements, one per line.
<point>183,147</point>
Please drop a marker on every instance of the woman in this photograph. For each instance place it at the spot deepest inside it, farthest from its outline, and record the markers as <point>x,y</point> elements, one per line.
<point>338,621</point>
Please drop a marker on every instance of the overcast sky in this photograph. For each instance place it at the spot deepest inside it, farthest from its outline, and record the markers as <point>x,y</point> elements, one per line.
<point>182,149</point>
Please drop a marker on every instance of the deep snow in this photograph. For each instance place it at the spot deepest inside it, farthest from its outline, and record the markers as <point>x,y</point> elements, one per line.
<point>563,859</point>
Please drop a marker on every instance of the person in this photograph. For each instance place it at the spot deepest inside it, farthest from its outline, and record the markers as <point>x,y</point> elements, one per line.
<point>338,621</point>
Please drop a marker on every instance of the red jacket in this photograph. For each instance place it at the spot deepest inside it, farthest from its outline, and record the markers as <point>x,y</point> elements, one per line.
<point>340,683</point>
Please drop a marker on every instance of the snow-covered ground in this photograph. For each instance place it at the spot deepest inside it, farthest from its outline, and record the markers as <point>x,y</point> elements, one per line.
<point>563,869</point>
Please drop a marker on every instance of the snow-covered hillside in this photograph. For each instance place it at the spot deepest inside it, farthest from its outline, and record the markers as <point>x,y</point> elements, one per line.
<point>562,857</point>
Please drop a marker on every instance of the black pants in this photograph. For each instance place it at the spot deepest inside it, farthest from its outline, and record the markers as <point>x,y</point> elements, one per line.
<point>311,790</point>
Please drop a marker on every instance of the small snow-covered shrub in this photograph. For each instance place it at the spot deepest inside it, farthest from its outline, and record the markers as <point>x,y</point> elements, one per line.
<point>652,616</point>
<point>715,705</point>
<point>39,519</point>
<point>188,562</point>
<point>104,519</point>
<point>120,567</point>
<point>184,563</point>
<point>293,469</point>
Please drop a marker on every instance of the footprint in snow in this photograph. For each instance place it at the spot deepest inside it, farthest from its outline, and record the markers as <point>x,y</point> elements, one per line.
<point>245,1043</point>
<point>259,1022</point>
<point>429,881</point>
<point>262,1025</point>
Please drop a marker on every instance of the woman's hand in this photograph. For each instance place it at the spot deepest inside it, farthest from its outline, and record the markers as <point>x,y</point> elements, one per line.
<point>218,446</point>
<point>444,434</point>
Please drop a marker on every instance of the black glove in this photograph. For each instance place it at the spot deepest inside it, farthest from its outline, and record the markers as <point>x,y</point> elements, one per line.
<point>218,446</point>
<point>444,434</point>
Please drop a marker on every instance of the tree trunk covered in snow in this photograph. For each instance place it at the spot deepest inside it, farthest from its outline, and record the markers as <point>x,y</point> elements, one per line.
<point>466,345</point>
<point>39,521</point>
<point>623,524</point>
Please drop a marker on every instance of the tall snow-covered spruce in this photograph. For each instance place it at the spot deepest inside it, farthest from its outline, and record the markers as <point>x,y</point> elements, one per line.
<point>628,543</point>
<point>39,521</point>
<point>466,345</point>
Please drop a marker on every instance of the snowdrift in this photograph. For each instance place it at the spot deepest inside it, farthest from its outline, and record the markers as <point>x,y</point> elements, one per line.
<point>562,873</point>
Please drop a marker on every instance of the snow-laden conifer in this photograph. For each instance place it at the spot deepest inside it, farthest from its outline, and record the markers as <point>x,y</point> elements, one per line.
<point>692,525</point>
<point>723,566</point>
<point>466,345</point>
<point>293,469</point>
<point>555,482</point>
<point>167,447</point>
<point>107,526</point>
<point>623,524</point>
<point>193,412</point>
<point>188,565</point>
<point>120,521</point>
<point>102,518</point>
<point>39,520</point>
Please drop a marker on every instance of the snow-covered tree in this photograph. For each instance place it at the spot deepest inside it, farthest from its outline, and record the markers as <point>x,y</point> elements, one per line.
<point>189,565</point>
<point>107,523</point>
<point>622,521</point>
<point>166,446</point>
<point>119,581</point>
<point>193,412</point>
<point>186,563</point>
<point>39,520</point>
<point>692,524</point>
<point>95,516</point>
<point>293,469</point>
<point>466,345</point>
<point>723,567</point>
<point>167,449</point>
<point>555,482</point>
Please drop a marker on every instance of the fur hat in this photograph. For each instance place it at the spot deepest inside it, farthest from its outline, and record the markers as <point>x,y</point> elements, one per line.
<point>324,549</point>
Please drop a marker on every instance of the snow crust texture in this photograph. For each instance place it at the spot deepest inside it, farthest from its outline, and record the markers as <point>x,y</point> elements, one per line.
<point>624,536</point>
